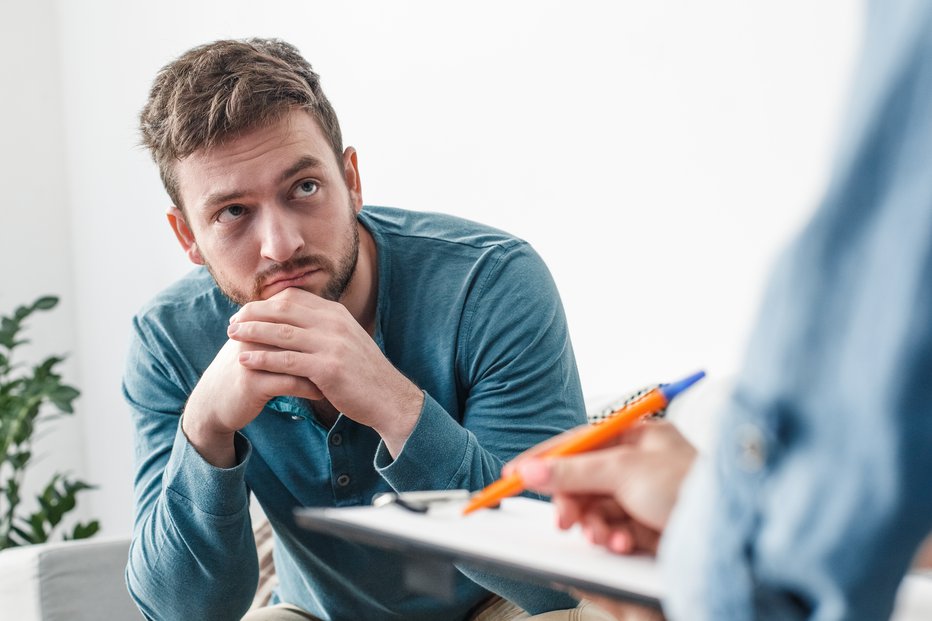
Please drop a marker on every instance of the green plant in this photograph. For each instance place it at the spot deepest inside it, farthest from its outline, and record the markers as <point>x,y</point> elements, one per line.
<point>29,398</point>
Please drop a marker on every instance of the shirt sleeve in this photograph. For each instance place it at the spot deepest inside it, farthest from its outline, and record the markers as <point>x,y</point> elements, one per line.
<point>192,535</point>
<point>818,495</point>
<point>516,360</point>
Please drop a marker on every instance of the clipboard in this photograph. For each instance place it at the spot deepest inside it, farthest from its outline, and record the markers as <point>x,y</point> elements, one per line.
<point>519,541</point>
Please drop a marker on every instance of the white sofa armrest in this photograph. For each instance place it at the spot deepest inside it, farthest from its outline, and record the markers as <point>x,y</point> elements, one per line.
<point>71,580</point>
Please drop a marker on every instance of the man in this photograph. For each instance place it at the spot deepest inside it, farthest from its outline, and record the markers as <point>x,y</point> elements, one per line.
<point>324,353</point>
<point>818,494</point>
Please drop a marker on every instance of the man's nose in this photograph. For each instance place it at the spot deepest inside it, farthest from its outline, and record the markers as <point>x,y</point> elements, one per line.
<point>281,237</point>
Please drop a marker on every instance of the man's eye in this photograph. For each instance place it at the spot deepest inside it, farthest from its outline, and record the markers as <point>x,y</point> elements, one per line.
<point>230,213</point>
<point>305,189</point>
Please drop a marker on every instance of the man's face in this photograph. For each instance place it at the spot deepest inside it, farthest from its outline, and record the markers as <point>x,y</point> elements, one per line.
<point>271,209</point>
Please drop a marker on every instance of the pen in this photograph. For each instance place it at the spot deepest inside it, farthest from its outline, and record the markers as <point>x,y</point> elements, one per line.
<point>586,440</point>
<point>422,501</point>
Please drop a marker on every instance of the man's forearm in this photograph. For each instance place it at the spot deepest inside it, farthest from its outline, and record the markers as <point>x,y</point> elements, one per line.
<point>177,570</point>
<point>193,554</point>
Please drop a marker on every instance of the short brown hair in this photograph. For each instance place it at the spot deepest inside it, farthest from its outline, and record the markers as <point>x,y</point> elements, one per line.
<point>216,91</point>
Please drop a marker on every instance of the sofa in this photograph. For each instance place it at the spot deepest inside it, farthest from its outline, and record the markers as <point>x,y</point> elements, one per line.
<point>83,580</point>
<point>71,580</point>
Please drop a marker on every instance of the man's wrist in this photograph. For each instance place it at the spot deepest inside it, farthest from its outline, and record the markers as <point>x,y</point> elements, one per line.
<point>409,404</point>
<point>215,446</point>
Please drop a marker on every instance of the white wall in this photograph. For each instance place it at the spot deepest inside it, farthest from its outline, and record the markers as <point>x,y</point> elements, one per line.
<point>35,229</point>
<point>656,154</point>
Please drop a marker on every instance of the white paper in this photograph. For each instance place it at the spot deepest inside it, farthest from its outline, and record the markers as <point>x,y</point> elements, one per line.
<point>521,533</point>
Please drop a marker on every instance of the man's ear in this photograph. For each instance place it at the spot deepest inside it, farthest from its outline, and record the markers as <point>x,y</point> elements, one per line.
<point>185,236</point>
<point>351,177</point>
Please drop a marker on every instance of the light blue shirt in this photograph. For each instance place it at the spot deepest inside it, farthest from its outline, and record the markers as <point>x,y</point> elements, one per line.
<point>470,314</point>
<point>821,490</point>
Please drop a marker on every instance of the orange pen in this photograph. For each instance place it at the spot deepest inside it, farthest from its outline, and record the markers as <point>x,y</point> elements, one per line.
<point>593,437</point>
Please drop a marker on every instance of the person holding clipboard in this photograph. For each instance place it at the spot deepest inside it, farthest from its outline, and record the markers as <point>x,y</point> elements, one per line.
<point>818,496</point>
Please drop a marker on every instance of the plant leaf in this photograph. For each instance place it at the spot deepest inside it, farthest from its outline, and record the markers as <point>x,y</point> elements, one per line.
<point>45,303</point>
<point>45,369</point>
<point>62,397</point>
<point>12,492</point>
<point>19,459</point>
<point>9,324</point>
<point>8,330</point>
<point>37,523</point>
<point>24,536</point>
<point>25,397</point>
<point>83,531</point>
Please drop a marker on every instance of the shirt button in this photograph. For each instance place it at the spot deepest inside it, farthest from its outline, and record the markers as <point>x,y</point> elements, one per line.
<point>343,480</point>
<point>752,450</point>
<point>336,439</point>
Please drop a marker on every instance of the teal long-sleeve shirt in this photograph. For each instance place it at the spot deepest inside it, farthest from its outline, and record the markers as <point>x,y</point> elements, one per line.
<point>470,314</point>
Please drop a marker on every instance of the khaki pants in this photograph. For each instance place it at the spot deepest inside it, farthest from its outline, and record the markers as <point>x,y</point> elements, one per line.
<point>496,610</point>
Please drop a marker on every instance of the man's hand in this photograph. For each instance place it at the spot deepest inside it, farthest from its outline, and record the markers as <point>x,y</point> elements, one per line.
<point>300,335</point>
<point>228,397</point>
<point>621,611</point>
<point>621,496</point>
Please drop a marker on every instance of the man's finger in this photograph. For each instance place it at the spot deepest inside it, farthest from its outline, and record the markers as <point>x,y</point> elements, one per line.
<point>280,384</point>
<point>291,305</point>
<point>620,610</point>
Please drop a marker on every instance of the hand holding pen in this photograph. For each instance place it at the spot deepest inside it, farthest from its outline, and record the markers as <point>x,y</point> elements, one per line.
<point>585,439</point>
<point>622,494</point>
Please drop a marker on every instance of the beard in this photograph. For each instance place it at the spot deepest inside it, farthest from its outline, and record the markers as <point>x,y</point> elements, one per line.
<point>341,271</point>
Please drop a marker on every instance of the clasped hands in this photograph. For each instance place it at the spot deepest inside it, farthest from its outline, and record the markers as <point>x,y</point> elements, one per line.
<point>299,344</point>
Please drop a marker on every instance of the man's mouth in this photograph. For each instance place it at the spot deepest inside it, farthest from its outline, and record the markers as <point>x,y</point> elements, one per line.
<point>293,279</point>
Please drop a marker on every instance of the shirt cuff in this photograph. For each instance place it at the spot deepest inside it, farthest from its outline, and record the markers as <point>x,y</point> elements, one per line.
<point>216,491</point>
<point>437,452</point>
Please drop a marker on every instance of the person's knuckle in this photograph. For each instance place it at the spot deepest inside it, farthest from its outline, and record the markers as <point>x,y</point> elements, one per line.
<point>293,383</point>
<point>619,458</point>
<point>289,360</point>
<point>560,471</point>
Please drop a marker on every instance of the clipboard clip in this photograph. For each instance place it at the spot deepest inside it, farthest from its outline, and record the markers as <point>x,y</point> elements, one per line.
<point>423,501</point>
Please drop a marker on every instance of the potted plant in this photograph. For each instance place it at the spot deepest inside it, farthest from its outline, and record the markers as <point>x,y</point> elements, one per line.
<point>29,398</point>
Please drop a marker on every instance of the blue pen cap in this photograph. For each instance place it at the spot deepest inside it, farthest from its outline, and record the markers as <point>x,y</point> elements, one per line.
<point>674,388</point>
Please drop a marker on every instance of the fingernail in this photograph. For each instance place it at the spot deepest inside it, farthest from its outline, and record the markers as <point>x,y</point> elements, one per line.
<point>233,319</point>
<point>245,356</point>
<point>233,329</point>
<point>620,542</point>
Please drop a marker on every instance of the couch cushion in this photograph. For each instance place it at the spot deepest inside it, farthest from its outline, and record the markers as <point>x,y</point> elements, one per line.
<point>66,581</point>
